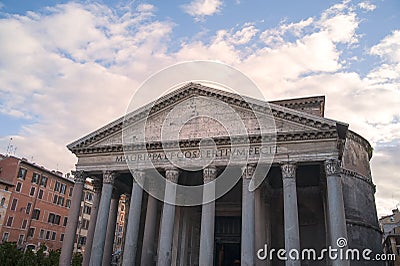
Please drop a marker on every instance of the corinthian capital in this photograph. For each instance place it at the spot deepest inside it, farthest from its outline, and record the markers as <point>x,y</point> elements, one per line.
<point>109,177</point>
<point>138,176</point>
<point>209,174</point>
<point>288,170</point>
<point>79,176</point>
<point>332,167</point>
<point>248,171</point>
<point>172,174</point>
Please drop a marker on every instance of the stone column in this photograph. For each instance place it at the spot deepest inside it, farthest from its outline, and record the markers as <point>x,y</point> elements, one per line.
<point>167,220</point>
<point>111,224</point>
<point>73,216</point>
<point>99,238</point>
<point>259,223</point>
<point>149,229</point>
<point>207,218</point>
<point>248,251</point>
<point>92,222</point>
<point>291,217</point>
<point>337,219</point>
<point>132,231</point>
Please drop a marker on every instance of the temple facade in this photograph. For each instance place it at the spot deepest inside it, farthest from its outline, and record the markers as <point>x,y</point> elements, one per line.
<point>316,192</point>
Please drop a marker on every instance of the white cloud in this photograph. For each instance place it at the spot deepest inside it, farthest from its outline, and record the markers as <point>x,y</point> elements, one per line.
<point>367,6</point>
<point>199,9</point>
<point>388,48</point>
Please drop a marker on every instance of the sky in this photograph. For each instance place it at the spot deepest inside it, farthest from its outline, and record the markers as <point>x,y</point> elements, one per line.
<point>70,67</point>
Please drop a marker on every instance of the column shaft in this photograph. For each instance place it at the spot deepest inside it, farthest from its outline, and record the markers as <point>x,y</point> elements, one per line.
<point>73,216</point>
<point>167,219</point>
<point>207,218</point>
<point>99,238</point>
<point>149,232</point>
<point>92,222</point>
<point>132,231</point>
<point>291,217</point>
<point>248,252</point>
<point>337,219</point>
<point>110,236</point>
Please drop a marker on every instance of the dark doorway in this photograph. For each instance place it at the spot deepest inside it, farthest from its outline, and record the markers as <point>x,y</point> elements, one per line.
<point>228,254</point>
<point>227,240</point>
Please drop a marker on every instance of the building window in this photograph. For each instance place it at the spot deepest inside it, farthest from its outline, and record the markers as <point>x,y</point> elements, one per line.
<point>32,192</point>
<point>89,196</point>
<point>36,214</point>
<point>65,221</point>
<point>14,204</point>
<point>3,200</point>
<point>82,241</point>
<point>62,237</point>
<point>41,234</point>
<point>57,219</point>
<point>60,201</point>
<point>35,178</point>
<point>57,186</point>
<point>5,236</point>
<point>68,203</point>
<point>87,209</point>
<point>40,194</point>
<point>31,232</point>
<point>63,188</point>
<point>51,218</point>
<point>9,221</point>
<point>23,226</point>
<point>22,173</point>
<point>53,236</point>
<point>20,240</point>
<point>70,191</point>
<point>18,187</point>
<point>85,224</point>
<point>47,235</point>
<point>28,208</point>
<point>55,199</point>
<point>43,181</point>
<point>122,207</point>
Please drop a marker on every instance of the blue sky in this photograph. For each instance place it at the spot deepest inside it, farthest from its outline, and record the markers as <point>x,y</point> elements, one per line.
<point>60,60</point>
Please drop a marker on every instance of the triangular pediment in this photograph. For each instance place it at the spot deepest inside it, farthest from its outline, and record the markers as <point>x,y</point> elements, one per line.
<point>188,100</point>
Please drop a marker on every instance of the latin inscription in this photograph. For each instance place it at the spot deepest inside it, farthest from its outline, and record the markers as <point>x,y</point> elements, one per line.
<point>221,153</point>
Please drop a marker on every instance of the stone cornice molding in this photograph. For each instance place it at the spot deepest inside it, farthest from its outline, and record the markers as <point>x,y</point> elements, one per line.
<point>186,143</point>
<point>332,167</point>
<point>192,89</point>
<point>109,177</point>
<point>79,176</point>
<point>288,170</point>
<point>209,174</point>
<point>248,171</point>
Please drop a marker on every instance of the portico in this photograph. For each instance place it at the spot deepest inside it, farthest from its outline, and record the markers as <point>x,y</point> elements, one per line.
<point>299,202</point>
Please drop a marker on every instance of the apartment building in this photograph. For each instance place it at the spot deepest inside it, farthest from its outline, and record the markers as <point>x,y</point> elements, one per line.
<point>36,208</point>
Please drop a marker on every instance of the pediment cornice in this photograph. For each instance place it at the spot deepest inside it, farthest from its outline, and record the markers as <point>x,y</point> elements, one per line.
<point>319,124</point>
